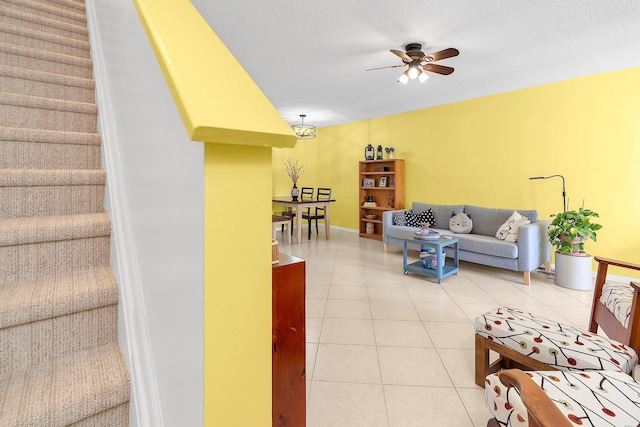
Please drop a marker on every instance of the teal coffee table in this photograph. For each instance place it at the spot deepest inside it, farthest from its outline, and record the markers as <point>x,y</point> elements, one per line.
<point>441,269</point>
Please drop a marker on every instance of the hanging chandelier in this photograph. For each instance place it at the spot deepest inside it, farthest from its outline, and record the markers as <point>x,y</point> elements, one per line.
<point>303,131</point>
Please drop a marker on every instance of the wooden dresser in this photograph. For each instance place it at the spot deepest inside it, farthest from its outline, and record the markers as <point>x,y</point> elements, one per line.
<point>288,342</point>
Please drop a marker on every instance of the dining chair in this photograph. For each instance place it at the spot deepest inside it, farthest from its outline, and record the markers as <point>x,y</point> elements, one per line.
<point>306,194</point>
<point>323,194</point>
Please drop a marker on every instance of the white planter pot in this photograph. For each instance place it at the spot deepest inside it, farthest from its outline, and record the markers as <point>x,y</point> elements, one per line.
<point>574,272</point>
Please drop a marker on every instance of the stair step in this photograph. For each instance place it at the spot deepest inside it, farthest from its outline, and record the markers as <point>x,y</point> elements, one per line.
<point>41,60</point>
<point>35,248</point>
<point>46,85</point>
<point>33,39</point>
<point>52,297</point>
<point>10,15</point>
<point>37,192</point>
<point>24,231</point>
<point>47,113</point>
<point>67,390</point>
<point>116,416</point>
<point>46,10</point>
<point>48,149</point>
<point>70,5</point>
<point>44,340</point>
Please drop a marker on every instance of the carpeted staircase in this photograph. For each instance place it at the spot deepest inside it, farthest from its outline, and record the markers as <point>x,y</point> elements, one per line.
<point>60,363</point>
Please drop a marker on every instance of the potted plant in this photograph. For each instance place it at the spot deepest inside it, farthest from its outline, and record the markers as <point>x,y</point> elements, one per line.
<point>569,230</point>
<point>567,233</point>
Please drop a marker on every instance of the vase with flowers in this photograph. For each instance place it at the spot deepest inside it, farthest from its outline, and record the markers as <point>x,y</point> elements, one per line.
<point>389,151</point>
<point>294,171</point>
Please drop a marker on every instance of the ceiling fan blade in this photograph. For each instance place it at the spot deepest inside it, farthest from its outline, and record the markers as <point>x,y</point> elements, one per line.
<point>390,66</point>
<point>406,58</point>
<point>442,54</point>
<point>440,69</point>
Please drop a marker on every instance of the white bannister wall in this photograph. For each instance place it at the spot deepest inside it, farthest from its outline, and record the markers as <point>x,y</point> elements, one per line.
<point>155,197</point>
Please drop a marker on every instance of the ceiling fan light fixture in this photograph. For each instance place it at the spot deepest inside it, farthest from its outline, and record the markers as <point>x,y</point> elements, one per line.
<point>303,131</point>
<point>423,77</point>
<point>414,72</point>
<point>404,78</point>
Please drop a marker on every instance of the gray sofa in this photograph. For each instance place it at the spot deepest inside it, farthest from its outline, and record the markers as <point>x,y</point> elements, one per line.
<point>531,250</point>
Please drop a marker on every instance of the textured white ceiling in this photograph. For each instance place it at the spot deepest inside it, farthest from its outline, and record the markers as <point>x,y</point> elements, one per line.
<point>309,57</point>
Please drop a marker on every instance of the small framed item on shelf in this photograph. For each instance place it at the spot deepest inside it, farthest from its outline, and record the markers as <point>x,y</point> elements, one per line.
<point>368,182</point>
<point>383,181</point>
<point>392,183</point>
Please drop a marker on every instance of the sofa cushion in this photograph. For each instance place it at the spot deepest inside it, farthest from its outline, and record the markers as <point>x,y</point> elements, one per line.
<point>460,223</point>
<point>487,221</point>
<point>428,217</point>
<point>509,230</point>
<point>399,218</point>
<point>412,219</point>
<point>488,245</point>
<point>441,213</point>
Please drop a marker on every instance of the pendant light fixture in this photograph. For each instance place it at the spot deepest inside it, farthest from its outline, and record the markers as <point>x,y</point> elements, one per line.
<point>303,131</point>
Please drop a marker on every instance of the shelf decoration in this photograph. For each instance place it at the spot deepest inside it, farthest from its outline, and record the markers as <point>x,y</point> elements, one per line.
<point>294,171</point>
<point>390,151</point>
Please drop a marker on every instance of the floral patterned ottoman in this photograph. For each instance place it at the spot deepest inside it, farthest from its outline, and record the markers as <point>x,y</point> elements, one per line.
<point>525,340</point>
<point>589,398</point>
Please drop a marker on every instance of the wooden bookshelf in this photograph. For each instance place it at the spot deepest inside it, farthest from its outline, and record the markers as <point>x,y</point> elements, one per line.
<point>387,198</point>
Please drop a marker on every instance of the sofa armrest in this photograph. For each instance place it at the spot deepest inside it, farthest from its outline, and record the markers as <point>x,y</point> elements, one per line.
<point>534,248</point>
<point>387,220</point>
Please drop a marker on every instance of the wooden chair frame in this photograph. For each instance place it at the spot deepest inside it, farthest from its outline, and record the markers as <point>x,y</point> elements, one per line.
<point>602,317</point>
<point>323,194</point>
<point>541,411</point>
<point>306,193</point>
<point>507,359</point>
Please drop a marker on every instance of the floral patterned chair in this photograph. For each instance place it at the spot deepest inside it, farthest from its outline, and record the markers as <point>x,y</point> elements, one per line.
<point>524,340</point>
<point>562,399</point>
<point>615,305</point>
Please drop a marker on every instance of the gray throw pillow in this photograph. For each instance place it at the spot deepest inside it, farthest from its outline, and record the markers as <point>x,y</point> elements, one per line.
<point>399,218</point>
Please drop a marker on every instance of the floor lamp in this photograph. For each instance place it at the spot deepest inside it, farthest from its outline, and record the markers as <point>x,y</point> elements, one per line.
<point>564,194</point>
<point>564,209</point>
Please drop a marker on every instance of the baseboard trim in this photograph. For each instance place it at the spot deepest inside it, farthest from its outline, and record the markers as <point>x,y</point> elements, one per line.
<point>145,396</point>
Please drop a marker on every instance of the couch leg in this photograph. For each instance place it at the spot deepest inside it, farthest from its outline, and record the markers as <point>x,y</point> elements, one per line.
<point>527,278</point>
<point>386,247</point>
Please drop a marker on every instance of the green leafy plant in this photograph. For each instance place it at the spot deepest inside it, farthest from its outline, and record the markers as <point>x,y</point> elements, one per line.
<point>569,230</point>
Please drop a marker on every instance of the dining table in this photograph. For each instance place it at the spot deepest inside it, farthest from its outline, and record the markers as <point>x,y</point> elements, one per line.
<point>298,206</point>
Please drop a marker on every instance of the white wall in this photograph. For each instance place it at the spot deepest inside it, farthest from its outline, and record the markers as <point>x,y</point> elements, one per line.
<point>160,182</point>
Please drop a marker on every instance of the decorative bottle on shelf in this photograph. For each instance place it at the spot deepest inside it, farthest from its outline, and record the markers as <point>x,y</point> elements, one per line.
<point>294,193</point>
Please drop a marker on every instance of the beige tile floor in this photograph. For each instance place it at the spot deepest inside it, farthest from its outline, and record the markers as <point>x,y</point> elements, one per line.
<point>389,350</point>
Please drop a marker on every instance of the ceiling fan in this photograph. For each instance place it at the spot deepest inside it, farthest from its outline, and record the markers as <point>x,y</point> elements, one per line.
<point>417,61</point>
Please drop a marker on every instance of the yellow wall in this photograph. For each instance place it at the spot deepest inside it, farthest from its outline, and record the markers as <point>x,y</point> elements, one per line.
<point>237,342</point>
<point>305,149</point>
<point>483,151</point>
